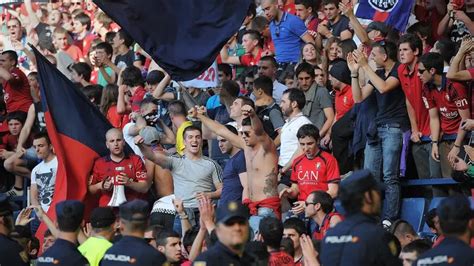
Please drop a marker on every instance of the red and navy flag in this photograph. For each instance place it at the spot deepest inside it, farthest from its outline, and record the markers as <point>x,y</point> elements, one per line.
<point>76,129</point>
<point>183,36</point>
<point>393,12</point>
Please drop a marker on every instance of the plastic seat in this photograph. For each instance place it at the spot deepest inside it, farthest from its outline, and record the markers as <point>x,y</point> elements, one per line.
<point>412,211</point>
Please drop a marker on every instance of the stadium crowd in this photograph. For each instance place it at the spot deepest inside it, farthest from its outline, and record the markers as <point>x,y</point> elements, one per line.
<point>296,157</point>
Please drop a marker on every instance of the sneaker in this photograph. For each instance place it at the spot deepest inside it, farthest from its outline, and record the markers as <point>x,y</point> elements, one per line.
<point>386,224</point>
<point>14,193</point>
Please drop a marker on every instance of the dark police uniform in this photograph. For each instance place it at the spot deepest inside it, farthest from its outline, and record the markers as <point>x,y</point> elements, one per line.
<point>132,250</point>
<point>451,251</point>
<point>220,255</point>
<point>62,252</point>
<point>358,240</point>
<point>10,252</point>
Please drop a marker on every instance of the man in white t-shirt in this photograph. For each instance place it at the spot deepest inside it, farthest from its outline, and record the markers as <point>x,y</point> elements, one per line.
<point>292,103</point>
<point>43,176</point>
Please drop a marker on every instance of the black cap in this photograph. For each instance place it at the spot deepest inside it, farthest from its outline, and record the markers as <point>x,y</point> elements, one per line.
<point>340,71</point>
<point>455,208</point>
<point>102,217</point>
<point>230,210</point>
<point>135,210</point>
<point>359,182</point>
<point>377,25</point>
<point>154,77</point>
<point>5,207</point>
<point>71,209</point>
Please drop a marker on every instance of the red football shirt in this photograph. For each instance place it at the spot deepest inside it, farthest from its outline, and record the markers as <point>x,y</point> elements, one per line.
<point>312,24</point>
<point>344,101</point>
<point>314,174</point>
<point>249,60</point>
<point>413,88</point>
<point>280,258</point>
<point>104,167</point>
<point>17,92</point>
<point>451,98</point>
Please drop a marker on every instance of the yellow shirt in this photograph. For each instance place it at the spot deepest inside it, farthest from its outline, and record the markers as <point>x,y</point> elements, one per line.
<point>180,137</point>
<point>94,249</point>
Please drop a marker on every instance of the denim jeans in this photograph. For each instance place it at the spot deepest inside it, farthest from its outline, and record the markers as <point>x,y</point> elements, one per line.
<point>382,158</point>
<point>254,220</point>
<point>193,218</point>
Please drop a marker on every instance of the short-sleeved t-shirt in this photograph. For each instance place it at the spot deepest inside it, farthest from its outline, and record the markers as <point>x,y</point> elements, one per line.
<point>193,176</point>
<point>105,167</point>
<point>340,26</point>
<point>17,94</point>
<point>344,101</point>
<point>232,187</point>
<point>314,174</point>
<point>451,97</point>
<point>94,249</point>
<point>391,105</point>
<point>272,118</point>
<point>44,176</point>
<point>289,141</point>
<point>317,99</point>
<point>125,60</point>
<point>413,88</point>
<point>249,60</point>
<point>286,36</point>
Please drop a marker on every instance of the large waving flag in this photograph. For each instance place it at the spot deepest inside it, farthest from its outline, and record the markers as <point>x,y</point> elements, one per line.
<point>182,36</point>
<point>392,12</point>
<point>77,131</point>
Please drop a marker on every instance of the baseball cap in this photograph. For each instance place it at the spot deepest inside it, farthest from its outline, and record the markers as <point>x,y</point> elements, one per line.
<point>70,209</point>
<point>455,208</point>
<point>5,207</point>
<point>359,182</point>
<point>136,210</point>
<point>230,210</point>
<point>377,25</point>
<point>102,217</point>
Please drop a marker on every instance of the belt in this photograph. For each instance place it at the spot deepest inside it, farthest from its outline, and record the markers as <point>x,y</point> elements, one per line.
<point>392,125</point>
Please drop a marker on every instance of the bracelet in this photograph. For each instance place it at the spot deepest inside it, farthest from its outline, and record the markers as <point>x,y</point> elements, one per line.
<point>457,146</point>
<point>354,76</point>
<point>434,141</point>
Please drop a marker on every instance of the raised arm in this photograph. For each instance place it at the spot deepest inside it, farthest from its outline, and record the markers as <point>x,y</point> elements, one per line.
<point>454,71</point>
<point>217,128</point>
<point>158,158</point>
<point>348,10</point>
<point>234,60</point>
<point>34,21</point>
<point>359,94</point>
<point>383,86</point>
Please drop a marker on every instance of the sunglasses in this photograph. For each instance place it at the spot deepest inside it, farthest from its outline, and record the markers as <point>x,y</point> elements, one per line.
<point>235,221</point>
<point>76,3</point>
<point>245,133</point>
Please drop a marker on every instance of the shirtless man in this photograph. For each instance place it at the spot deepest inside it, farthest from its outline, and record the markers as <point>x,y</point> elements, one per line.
<point>261,195</point>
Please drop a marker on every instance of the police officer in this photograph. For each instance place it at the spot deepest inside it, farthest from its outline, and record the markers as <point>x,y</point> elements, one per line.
<point>9,248</point>
<point>132,248</point>
<point>454,215</point>
<point>359,240</point>
<point>233,233</point>
<point>69,214</point>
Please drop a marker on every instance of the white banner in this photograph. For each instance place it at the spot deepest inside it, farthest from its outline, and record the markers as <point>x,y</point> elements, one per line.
<point>208,79</point>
